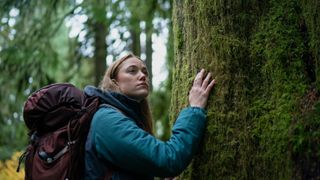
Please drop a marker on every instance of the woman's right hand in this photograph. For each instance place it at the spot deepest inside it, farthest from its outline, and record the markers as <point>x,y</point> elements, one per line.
<point>200,90</point>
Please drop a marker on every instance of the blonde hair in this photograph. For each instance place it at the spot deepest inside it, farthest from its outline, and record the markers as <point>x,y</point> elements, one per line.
<point>108,84</point>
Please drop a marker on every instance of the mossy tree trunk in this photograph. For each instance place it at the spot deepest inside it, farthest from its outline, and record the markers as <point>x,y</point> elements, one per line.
<point>264,114</point>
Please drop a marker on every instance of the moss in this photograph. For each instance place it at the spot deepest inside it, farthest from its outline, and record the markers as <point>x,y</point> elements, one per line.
<point>280,45</point>
<point>312,19</point>
<point>305,139</point>
<point>262,60</point>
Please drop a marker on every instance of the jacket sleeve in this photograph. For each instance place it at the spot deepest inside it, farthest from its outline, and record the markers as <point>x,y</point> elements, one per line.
<point>120,141</point>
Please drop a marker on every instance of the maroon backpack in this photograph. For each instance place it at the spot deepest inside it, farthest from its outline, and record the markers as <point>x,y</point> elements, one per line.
<point>58,117</point>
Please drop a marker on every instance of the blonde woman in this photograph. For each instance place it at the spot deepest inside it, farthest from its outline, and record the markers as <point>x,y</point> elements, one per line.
<point>120,144</point>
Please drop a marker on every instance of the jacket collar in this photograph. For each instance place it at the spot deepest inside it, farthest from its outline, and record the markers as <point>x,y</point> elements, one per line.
<point>128,106</point>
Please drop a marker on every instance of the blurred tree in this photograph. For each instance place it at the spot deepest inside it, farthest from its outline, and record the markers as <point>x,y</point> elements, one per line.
<point>135,9</point>
<point>149,30</point>
<point>169,66</point>
<point>101,15</point>
<point>100,30</point>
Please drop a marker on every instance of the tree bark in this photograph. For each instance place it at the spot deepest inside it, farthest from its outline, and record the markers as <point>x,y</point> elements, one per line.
<point>149,31</point>
<point>99,24</point>
<point>265,58</point>
<point>100,52</point>
<point>149,50</point>
<point>135,40</point>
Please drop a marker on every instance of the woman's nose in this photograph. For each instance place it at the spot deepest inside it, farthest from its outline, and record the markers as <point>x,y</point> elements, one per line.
<point>142,75</point>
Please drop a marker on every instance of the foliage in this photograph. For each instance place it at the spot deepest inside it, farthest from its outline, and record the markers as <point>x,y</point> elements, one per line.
<point>21,66</point>
<point>34,49</point>
<point>8,168</point>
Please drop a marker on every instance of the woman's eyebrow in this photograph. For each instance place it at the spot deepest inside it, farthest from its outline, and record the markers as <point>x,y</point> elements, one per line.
<point>133,65</point>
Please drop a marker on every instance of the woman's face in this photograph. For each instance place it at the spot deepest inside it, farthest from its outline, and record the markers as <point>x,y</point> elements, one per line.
<point>132,79</point>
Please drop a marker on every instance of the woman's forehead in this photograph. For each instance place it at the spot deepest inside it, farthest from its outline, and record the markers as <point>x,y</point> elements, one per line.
<point>133,61</point>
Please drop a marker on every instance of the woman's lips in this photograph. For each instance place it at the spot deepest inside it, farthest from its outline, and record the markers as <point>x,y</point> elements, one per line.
<point>143,84</point>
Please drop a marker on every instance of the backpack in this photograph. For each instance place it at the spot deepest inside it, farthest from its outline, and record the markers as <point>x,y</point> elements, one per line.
<point>58,118</point>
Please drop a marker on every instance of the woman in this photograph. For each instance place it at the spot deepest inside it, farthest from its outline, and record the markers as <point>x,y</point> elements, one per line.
<point>120,143</point>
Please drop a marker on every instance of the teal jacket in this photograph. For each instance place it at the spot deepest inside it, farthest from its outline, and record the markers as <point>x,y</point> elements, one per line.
<point>116,140</point>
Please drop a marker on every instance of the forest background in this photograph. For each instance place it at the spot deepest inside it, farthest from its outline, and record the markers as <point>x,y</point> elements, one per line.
<point>264,113</point>
<point>43,42</point>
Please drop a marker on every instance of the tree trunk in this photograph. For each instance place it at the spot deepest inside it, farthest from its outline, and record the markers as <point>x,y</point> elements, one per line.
<point>149,51</point>
<point>100,52</point>
<point>99,25</point>
<point>135,40</point>
<point>264,113</point>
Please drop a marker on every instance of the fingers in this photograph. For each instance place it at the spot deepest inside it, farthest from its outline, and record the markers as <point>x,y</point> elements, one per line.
<point>199,92</point>
<point>210,86</point>
<point>198,79</point>
<point>203,83</point>
<point>206,81</point>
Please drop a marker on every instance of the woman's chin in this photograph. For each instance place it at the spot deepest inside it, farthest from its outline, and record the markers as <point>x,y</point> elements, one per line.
<point>144,95</point>
<point>140,96</point>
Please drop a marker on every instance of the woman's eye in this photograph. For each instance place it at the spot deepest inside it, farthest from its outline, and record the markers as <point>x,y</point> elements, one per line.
<point>132,70</point>
<point>145,72</point>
